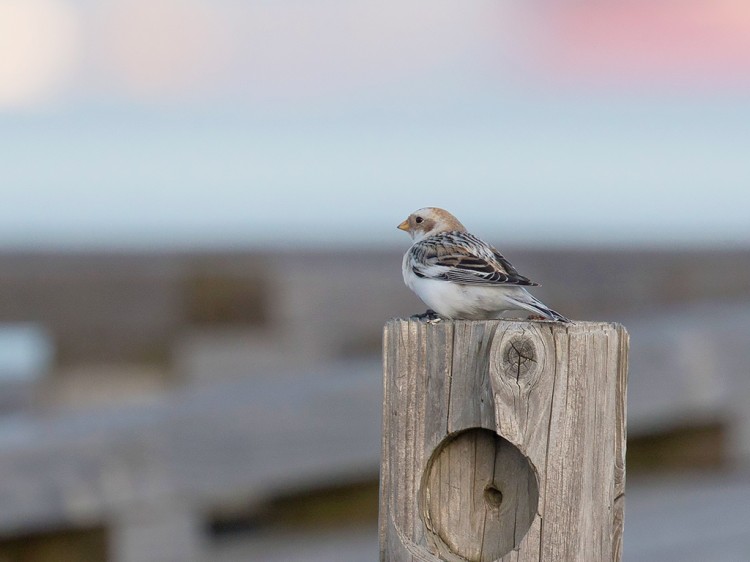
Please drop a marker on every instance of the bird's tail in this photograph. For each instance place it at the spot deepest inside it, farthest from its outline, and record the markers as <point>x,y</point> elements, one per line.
<point>532,304</point>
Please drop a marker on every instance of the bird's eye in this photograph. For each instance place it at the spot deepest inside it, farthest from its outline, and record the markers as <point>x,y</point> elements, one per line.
<point>419,220</point>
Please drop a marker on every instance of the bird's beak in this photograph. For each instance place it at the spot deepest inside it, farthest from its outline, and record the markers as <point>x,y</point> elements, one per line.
<point>404,226</point>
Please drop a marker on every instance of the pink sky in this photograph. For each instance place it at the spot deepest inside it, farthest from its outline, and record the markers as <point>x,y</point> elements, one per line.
<point>288,52</point>
<point>694,43</point>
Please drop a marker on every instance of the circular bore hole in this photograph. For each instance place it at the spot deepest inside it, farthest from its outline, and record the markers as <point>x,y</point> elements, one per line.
<point>493,496</point>
<point>479,496</point>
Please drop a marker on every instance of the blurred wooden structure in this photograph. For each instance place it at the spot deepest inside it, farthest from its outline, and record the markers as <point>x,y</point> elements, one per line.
<point>503,440</point>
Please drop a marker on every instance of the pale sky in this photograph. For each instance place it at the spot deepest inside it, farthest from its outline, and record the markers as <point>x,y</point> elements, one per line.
<point>196,123</point>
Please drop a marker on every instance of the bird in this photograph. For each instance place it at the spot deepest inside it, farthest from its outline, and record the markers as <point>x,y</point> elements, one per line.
<point>459,276</point>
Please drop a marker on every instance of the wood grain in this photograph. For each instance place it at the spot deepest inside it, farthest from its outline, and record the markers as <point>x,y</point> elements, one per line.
<point>503,440</point>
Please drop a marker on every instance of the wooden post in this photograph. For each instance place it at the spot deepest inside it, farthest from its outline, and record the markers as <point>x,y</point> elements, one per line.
<point>503,440</point>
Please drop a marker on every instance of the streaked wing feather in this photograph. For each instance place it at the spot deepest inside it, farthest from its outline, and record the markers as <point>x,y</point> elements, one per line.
<point>462,258</point>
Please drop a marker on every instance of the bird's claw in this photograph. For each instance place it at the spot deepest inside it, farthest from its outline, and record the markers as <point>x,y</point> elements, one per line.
<point>429,316</point>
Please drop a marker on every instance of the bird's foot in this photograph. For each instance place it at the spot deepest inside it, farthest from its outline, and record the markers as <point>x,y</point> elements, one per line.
<point>430,316</point>
<point>536,317</point>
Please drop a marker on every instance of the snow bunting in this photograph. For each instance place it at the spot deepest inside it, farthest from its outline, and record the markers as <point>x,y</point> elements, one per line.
<point>459,276</point>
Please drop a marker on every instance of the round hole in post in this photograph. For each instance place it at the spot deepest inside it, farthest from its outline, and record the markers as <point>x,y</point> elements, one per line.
<point>479,496</point>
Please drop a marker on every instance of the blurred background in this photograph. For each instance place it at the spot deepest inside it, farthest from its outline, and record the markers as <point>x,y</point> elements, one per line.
<point>198,252</point>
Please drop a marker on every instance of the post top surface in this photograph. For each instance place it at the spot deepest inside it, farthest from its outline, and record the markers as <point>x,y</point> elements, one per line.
<point>576,326</point>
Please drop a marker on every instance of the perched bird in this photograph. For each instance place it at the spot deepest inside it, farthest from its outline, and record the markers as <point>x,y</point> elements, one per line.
<point>458,275</point>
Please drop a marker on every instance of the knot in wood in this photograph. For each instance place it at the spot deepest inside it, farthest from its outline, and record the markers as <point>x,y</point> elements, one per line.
<point>519,357</point>
<point>493,496</point>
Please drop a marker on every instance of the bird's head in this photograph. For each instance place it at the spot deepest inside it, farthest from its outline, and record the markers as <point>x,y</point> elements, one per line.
<point>428,221</point>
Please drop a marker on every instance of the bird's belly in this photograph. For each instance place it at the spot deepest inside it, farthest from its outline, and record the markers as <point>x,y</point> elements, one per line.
<point>461,301</point>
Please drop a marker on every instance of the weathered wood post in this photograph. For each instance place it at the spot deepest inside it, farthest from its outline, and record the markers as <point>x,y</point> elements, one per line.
<point>503,440</point>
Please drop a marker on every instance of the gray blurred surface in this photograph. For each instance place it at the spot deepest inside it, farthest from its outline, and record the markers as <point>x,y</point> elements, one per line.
<point>688,518</point>
<point>688,364</point>
<point>352,544</point>
<point>156,472</point>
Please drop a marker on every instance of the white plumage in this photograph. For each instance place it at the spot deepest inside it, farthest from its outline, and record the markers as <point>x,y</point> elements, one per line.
<point>460,276</point>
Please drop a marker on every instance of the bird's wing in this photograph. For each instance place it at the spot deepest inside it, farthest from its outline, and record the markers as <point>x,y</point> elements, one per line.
<point>465,259</point>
